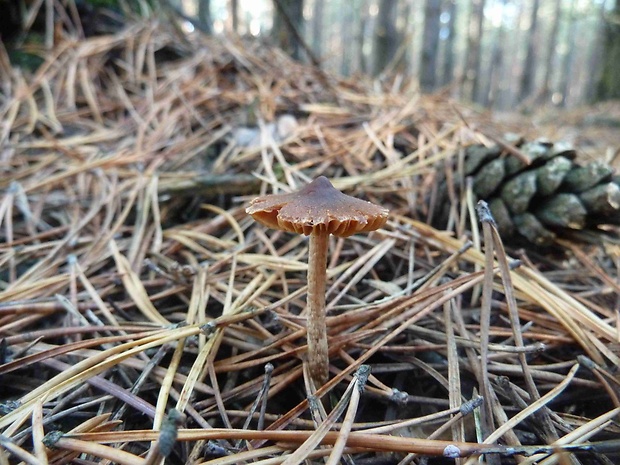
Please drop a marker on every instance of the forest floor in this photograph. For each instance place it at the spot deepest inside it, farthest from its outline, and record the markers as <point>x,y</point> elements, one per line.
<point>594,129</point>
<point>132,282</point>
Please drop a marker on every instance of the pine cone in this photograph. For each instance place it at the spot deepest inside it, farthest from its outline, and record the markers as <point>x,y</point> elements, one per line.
<point>552,195</point>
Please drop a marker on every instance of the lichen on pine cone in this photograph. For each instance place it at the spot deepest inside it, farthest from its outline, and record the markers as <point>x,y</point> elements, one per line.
<point>552,195</point>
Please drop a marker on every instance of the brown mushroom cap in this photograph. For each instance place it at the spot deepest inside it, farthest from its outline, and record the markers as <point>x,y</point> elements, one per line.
<point>317,207</point>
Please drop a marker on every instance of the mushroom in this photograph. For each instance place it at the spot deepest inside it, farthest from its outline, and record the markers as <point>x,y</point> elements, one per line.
<point>317,210</point>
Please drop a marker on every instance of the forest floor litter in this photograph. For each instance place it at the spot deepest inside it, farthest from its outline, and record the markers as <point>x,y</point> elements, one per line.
<point>143,313</point>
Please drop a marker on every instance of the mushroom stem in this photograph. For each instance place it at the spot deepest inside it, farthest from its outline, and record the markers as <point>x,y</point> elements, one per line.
<point>317,210</point>
<point>317,328</point>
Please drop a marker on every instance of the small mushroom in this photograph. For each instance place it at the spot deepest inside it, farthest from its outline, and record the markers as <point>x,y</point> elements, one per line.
<point>317,210</point>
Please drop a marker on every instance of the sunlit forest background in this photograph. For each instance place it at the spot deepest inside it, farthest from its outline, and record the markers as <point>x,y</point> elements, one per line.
<point>503,54</point>
<point>500,54</point>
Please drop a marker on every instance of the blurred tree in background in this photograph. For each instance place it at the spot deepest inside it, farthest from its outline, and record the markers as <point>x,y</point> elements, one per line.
<point>503,54</point>
<point>609,83</point>
<point>428,65</point>
<point>385,36</point>
<point>471,74</point>
<point>288,26</point>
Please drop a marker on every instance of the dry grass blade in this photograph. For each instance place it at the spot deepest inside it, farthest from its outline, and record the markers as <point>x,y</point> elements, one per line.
<point>100,451</point>
<point>485,321</point>
<point>454,378</point>
<point>38,433</point>
<point>538,404</point>
<point>380,443</point>
<point>581,434</point>
<point>16,451</point>
<point>93,365</point>
<point>135,289</point>
<point>302,452</point>
<point>361,376</point>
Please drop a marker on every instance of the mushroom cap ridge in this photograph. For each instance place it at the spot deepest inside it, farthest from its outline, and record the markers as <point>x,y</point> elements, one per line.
<point>317,207</point>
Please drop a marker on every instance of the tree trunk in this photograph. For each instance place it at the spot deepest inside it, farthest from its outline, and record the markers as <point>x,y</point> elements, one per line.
<point>471,78</point>
<point>349,20</point>
<point>528,76</point>
<point>234,15</point>
<point>609,82</point>
<point>204,15</point>
<point>386,37</point>
<point>317,27</point>
<point>288,16</point>
<point>405,42</point>
<point>567,59</point>
<point>492,89</point>
<point>448,63</point>
<point>508,98</point>
<point>411,38</point>
<point>595,58</point>
<point>545,90</point>
<point>430,45</point>
<point>364,34</point>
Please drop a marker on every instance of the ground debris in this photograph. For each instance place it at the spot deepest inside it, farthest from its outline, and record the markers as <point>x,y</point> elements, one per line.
<point>133,282</point>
